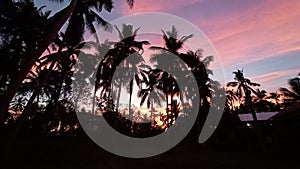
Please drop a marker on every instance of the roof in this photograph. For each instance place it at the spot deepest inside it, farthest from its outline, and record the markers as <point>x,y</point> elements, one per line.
<point>290,111</point>
<point>260,116</point>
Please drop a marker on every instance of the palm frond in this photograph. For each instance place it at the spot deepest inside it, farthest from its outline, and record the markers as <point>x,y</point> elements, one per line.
<point>130,3</point>
<point>145,66</point>
<point>286,92</point>
<point>119,32</point>
<point>157,48</point>
<point>86,45</point>
<point>232,84</point>
<point>144,98</point>
<point>90,26</point>
<point>107,26</point>
<point>137,79</point>
<point>108,5</point>
<point>207,60</point>
<point>185,38</point>
<point>135,31</point>
<point>253,84</point>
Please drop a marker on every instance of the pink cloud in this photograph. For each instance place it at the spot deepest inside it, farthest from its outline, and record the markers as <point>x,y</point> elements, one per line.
<point>263,31</point>
<point>274,80</point>
<point>157,5</point>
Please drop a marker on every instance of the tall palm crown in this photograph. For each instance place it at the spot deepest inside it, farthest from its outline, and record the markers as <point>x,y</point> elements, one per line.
<point>244,89</point>
<point>195,66</point>
<point>294,91</point>
<point>259,95</point>
<point>123,57</point>
<point>198,64</point>
<point>84,16</point>
<point>153,89</point>
<point>243,84</point>
<point>172,42</point>
<point>172,46</point>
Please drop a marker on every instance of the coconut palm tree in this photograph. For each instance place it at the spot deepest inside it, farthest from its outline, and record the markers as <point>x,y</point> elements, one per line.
<point>121,62</point>
<point>152,92</point>
<point>231,99</point>
<point>64,60</point>
<point>243,89</point>
<point>166,55</point>
<point>157,86</point>
<point>172,43</point>
<point>194,62</point>
<point>22,27</point>
<point>260,102</point>
<point>129,53</point>
<point>259,95</point>
<point>171,48</point>
<point>52,72</point>
<point>35,85</point>
<point>276,97</point>
<point>294,92</point>
<point>50,29</point>
<point>198,64</point>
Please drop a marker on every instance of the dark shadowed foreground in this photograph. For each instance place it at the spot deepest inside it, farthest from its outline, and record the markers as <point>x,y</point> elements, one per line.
<point>36,150</point>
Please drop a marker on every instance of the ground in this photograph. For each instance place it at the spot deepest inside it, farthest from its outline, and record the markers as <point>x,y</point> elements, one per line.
<point>84,154</point>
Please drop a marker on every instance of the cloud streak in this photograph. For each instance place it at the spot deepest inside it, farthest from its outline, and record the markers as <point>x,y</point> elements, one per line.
<point>242,33</point>
<point>267,30</point>
<point>158,6</point>
<point>274,80</point>
<point>263,30</point>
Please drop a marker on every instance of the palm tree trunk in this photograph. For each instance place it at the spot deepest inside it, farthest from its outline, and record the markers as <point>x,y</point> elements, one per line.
<point>130,96</point>
<point>257,129</point>
<point>167,102</point>
<point>250,105</point>
<point>172,109</point>
<point>58,91</point>
<point>129,106</point>
<point>32,54</point>
<point>110,99</point>
<point>152,107</point>
<point>77,98</point>
<point>94,101</point>
<point>117,106</point>
<point>119,95</point>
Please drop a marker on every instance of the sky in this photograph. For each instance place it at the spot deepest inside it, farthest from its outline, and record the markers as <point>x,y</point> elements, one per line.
<point>260,36</point>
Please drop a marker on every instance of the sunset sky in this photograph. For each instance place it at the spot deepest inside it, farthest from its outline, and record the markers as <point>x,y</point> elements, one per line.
<point>261,36</point>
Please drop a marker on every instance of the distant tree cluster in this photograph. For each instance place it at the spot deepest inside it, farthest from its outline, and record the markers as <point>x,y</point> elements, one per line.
<point>38,88</point>
<point>39,59</point>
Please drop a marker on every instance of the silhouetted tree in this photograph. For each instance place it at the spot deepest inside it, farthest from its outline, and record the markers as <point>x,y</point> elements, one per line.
<point>22,28</point>
<point>166,56</point>
<point>231,100</point>
<point>50,28</point>
<point>195,62</point>
<point>294,92</point>
<point>243,88</point>
<point>276,97</point>
<point>124,57</point>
